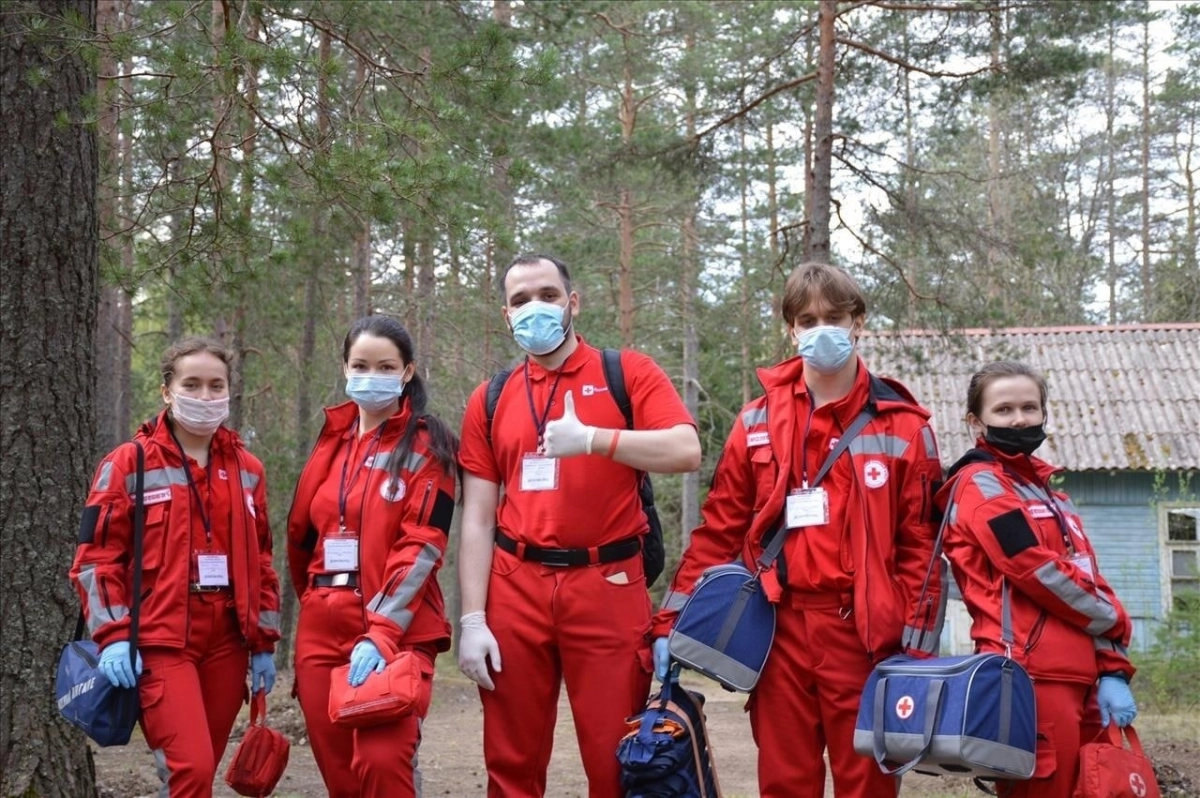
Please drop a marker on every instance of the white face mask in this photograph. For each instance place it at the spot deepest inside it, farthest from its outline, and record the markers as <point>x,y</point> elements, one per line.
<point>197,416</point>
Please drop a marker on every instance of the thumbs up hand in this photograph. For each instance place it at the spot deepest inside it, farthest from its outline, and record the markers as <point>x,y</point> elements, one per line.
<point>567,436</point>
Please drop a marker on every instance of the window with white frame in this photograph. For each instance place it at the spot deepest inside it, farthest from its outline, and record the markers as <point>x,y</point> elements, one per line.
<point>1183,556</point>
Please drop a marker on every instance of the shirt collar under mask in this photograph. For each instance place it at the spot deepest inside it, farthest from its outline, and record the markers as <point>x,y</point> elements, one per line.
<point>538,326</point>
<point>198,416</point>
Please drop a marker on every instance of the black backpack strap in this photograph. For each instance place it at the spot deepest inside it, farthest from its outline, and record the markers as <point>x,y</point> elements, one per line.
<point>615,377</point>
<point>494,389</point>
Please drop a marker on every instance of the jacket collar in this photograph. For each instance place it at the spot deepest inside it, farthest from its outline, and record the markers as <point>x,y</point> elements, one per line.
<point>885,393</point>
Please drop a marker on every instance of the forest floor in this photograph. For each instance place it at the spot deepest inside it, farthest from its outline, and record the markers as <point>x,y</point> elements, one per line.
<point>451,756</point>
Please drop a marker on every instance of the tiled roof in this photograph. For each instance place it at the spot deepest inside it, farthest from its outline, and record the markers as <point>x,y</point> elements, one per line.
<point>1123,397</point>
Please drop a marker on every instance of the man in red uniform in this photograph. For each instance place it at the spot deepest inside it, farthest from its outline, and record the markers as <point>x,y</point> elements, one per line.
<point>848,581</point>
<point>550,571</point>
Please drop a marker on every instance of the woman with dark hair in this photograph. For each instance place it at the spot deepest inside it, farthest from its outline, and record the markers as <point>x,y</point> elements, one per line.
<point>366,535</point>
<point>1009,533</point>
<point>210,606</point>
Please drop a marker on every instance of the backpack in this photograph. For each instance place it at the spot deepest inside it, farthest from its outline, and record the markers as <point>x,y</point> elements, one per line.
<point>666,751</point>
<point>654,553</point>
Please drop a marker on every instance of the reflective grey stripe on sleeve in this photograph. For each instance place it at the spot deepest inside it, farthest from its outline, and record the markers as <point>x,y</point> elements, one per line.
<point>674,600</point>
<point>752,418</point>
<point>104,478</point>
<point>98,614</point>
<point>249,480</point>
<point>1103,614</point>
<point>988,484</point>
<point>879,443</point>
<point>157,478</point>
<point>952,516</point>
<point>269,620</point>
<point>930,444</point>
<point>394,607</point>
<point>413,462</point>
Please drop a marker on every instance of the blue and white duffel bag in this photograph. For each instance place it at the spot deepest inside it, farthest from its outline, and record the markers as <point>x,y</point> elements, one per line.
<point>972,715</point>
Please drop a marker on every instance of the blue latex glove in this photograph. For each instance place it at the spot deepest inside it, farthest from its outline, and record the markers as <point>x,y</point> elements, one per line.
<point>363,659</point>
<point>262,672</point>
<point>1116,701</point>
<point>662,659</point>
<point>114,664</point>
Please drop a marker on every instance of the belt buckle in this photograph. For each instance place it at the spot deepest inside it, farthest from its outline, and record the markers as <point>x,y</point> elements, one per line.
<point>340,580</point>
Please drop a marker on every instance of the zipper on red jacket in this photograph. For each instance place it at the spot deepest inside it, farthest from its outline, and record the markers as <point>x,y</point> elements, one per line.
<point>425,503</point>
<point>1035,632</point>
<point>104,532</point>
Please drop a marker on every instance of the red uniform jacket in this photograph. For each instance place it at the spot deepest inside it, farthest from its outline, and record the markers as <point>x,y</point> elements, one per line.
<point>891,470</point>
<point>403,534</point>
<point>1005,523</point>
<point>173,531</point>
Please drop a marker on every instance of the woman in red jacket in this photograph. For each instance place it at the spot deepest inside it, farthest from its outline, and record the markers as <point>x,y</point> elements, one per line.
<point>1006,524</point>
<point>211,597</point>
<point>366,535</point>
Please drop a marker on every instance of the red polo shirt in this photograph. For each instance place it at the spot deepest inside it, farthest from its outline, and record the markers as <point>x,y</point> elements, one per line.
<point>596,501</point>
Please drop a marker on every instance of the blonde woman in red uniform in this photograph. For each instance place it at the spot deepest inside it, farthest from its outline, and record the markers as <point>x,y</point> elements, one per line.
<point>211,597</point>
<point>366,536</point>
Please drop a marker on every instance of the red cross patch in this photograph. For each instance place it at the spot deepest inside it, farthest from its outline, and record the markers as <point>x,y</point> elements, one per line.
<point>875,473</point>
<point>904,707</point>
<point>1137,784</point>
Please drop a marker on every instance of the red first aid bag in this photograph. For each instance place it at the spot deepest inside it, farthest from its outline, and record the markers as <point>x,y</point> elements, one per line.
<point>404,687</point>
<point>260,759</point>
<point>1107,769</point>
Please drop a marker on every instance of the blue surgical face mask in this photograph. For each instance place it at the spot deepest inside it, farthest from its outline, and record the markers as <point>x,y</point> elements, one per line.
<point>826,348</point>
<point>374,392</point>
<point>538,327</point>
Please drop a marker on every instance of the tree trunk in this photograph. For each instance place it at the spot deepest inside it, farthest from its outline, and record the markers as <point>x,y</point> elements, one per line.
<point>820,197</point>
<point>49,226</point>
<point>689,500</point>
<point>1148,305</point>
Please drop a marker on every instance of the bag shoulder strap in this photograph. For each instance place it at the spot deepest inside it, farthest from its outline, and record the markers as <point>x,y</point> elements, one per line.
<point>614,375</point>
<point>776,545</point>
<point>494,389</point>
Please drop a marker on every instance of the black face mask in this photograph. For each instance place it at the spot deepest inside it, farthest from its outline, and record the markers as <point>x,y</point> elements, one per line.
<point>1016,440</point>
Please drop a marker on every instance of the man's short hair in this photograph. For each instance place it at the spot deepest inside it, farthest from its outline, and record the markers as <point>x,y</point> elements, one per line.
<point>532,260</point>
<point>810,282</point>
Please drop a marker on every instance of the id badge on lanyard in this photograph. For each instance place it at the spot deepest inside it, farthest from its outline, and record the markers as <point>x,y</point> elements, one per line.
<point>341,551</point>
<point>807,507</point>
<point>1083,562</point>
<point>539,472</point>
<point>212,568</point>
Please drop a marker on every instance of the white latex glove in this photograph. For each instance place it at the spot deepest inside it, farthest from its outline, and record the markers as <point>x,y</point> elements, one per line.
<point>476,645</point>
<point>567,436</point>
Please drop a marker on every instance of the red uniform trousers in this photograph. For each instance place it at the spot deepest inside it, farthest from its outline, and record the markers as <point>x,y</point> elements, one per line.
<point>190,697</point>
<point>375,762</point>
<point>807,699</point>
<point>568,625</point>
<point>1062,726</point>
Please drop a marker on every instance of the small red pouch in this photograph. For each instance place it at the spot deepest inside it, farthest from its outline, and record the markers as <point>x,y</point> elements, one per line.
<point>1107,769</point>
<point>261,757</point>
<point>404,687</point>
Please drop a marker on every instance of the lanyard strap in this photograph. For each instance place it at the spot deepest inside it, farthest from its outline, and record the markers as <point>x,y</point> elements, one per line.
<point>344,488</point>
<point>776,545</point>
<point>540,423</point>
<point>195,491</point>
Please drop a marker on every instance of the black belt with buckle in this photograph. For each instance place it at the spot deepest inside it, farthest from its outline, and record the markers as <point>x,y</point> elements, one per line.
<point>347,579</point>
<point>198,588</point>
<point>612,552</point>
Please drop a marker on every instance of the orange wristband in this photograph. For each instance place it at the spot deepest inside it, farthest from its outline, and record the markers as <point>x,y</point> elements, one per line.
<point>612,444</point>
